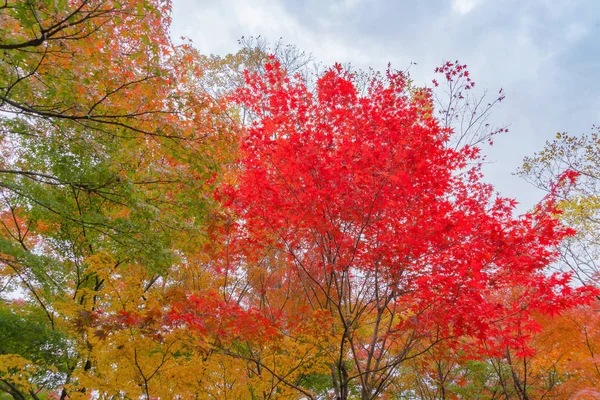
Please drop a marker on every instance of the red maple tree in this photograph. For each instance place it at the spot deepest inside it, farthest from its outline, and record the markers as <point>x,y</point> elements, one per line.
<point>388,229</point>
<point>372,218</point>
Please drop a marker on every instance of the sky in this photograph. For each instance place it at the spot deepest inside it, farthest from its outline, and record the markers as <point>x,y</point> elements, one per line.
<point>545,54</point>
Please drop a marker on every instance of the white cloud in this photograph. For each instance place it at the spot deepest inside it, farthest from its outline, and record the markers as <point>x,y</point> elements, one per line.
<point>464,6</point>
<point>215,26</point>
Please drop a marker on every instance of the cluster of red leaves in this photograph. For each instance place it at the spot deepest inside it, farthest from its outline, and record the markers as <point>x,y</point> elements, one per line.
<point>210,316</point>
<point>150,322</point>
<point>348,183</point>
<point>453,71</point>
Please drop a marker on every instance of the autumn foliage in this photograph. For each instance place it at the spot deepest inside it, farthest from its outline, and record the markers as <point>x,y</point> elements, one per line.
<point>388,229</point>
<point>173,227</point>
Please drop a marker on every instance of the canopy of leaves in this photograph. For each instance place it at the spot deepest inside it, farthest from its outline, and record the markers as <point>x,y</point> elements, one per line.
<point>177,225</point>
<point>385,226</point>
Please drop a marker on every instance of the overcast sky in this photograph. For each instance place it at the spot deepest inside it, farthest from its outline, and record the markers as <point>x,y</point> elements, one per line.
<point>544,53</point>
